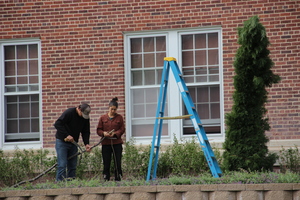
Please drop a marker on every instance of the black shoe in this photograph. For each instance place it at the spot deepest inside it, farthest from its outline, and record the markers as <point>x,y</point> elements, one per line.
<point>118,178</point>
<point>106,178</point>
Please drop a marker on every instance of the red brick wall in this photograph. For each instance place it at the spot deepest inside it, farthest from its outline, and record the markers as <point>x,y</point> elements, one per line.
<point>82,48</point>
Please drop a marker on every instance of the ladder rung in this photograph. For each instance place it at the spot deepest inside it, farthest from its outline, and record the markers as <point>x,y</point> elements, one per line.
<point>177,117</point>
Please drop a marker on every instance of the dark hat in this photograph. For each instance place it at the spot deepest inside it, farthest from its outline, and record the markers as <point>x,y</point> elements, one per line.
<point>85,110</point>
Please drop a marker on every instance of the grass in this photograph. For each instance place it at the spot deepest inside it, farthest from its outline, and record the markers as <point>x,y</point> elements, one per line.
<point>206,178</point>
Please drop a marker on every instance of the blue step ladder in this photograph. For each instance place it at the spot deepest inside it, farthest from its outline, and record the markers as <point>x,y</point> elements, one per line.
<point>170,62</point>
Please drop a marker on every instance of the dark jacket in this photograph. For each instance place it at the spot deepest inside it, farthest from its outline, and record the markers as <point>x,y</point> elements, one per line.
<point>70,123</point>
<point>107,124</point>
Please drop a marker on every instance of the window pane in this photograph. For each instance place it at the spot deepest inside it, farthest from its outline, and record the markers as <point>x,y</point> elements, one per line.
<point>149,60</point>
<point>147,130</point>
<point>10,81</point>
<point>24,125</point>
<point>188,79</point>
<point>22,68</point>
<point>9,52</point>
<point>160,59</point>
<point>203,111</point>
<point>10,69</point>
<point>214,94</point>
<point>12,110</point>
<point>137,78</point>
<point>138,111</point>
<point>138,96</point>
<point>21,51</point>
<point>151,110</point>
<point>33,79</point>
<point>213,57</point>
<point>34,109</point>
<point>213,70</point>
<point>148,44</point>
<point>136,61</point>
<point>215,111</point>
<point>24,110</point>
<point>200,57</point>
<point>158,75</point>
<point>202,94</point>
<point>33,51</point>
<point>136,45</point>
<point>200,41</point>
<point>201,71</point>
<point>188,58</point>
<point>12,126</point>
<point>33,88</point>
<point>149,77</point>
<point>22,80</point>
<point>35,97</point>
<point>10,89</point>
<point>187,42</point>
<point>188,71</point>
<point>201,79</point>
<point>193,94</point>
<point>213,78</point>
<point>151,95</point>
<point>35,126</point>
<point>33,67</point>
<point>212,40</point>
<point>161,43</point>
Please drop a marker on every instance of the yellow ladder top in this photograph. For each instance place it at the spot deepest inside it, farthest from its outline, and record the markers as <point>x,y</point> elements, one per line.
<point>170,59</point>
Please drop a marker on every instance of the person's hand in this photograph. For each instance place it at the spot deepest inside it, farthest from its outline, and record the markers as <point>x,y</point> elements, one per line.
<point>88,148</point>
<point>106,134</point>
<point>112,134</point>
<point>69,139</point>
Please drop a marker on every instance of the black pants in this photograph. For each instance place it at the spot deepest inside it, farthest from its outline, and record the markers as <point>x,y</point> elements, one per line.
<point>109,152</point>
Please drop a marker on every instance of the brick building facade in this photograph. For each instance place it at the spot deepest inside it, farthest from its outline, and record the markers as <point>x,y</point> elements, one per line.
<point>58,53</point>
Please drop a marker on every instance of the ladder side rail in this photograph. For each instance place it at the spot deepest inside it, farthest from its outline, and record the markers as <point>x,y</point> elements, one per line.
<point>200,132</point>
<point>158,122</point>
<point>163,103</point>
<point>187,100</point>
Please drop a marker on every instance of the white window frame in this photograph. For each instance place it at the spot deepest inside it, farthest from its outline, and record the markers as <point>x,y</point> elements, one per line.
<point>173,47</point>
<point>22,144</point>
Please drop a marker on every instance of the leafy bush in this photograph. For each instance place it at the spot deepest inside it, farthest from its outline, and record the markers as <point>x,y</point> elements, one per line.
<point>89,164</point>
<point>289,160</point>
<point>135,160</point>
<point>23,165</point>
<point>185,158</point>
<point>180,163</point>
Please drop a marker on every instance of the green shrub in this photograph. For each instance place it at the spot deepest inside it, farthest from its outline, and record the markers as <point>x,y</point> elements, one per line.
<point>246,143</point>
<point>90,164</point>
<point>289,160</point>
<point>135,160</point>
<point>185,158</point>
<point>22,165</point>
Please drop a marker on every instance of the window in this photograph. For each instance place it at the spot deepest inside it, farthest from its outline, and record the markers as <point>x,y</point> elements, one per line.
<point>200,68</point>
<point>20,63</point>
<point>198,54</point>
<point>147,60</point>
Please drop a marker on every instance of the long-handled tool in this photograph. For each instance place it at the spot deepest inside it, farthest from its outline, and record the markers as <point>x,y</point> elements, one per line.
<point>48,170</point>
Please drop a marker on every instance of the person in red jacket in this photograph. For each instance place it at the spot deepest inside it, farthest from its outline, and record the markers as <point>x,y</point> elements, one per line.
<point>111,126</point>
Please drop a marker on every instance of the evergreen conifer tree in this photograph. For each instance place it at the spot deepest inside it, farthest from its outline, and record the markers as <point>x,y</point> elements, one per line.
<point>245,143</point>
